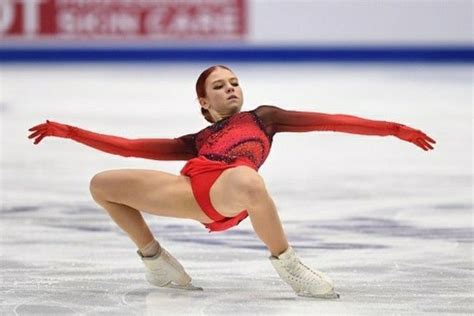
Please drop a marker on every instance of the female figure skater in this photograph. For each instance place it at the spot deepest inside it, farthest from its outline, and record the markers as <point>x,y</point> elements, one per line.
<point>219,185</point>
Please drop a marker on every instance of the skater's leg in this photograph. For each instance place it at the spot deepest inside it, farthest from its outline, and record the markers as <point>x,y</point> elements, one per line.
<point>124,193</point>
<point>129,220</point>
<point>267,225</point>
<point>266,222</point>
<point>243,188</point>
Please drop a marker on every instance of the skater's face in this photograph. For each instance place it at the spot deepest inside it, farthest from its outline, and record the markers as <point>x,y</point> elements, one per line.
<point>223,94</point>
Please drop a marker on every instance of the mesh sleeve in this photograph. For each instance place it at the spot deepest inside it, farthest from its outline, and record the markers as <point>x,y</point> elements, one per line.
<point>278,120</point>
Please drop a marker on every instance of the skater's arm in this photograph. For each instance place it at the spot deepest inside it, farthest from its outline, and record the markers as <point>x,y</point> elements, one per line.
<point>278,120</point>
<point>282,120</point>
<point>181,148</point>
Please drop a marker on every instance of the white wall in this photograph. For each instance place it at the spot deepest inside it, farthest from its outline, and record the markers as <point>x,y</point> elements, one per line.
<point>352,22</point>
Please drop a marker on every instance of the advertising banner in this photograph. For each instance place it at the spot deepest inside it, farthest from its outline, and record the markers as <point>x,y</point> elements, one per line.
<point>122,19</point>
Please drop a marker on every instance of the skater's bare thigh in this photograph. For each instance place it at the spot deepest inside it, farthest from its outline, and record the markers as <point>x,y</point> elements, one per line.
<point>230,192</point>
<point>155,192</point>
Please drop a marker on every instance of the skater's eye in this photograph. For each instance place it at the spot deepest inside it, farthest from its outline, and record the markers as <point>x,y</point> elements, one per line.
<point>235,84</point>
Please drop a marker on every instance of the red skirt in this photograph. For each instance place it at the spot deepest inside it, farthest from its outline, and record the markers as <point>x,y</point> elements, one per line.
<point>203,173</point>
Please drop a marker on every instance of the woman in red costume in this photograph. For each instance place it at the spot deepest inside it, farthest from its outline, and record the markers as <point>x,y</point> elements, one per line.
<point>219,185</point>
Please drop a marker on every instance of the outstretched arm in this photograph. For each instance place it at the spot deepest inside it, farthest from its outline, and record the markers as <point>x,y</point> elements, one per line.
<point>181,148</point>
<point>280,120</point>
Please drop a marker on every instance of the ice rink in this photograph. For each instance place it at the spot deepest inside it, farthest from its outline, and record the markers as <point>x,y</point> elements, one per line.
<point>391,224</point>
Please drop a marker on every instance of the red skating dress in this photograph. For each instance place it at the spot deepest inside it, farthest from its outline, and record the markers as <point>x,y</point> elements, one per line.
<point>243,138</point>
<point>240,139</point>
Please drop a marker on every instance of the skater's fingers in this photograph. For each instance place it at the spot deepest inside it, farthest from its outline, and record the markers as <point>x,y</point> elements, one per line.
<point>39,139</point>
<point>426,144</point>
<point>430,139</point>
<point>417,142</point>
<point>34,134</point>
<point>37,126</point>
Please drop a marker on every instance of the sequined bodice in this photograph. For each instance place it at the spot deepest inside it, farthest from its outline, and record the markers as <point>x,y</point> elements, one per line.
<point>240,135</point>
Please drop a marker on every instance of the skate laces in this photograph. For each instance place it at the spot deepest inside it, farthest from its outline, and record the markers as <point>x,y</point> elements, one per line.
<point>300,271</point>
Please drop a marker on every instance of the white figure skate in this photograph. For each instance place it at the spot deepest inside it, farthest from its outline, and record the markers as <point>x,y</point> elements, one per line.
<point>303,280</point>
<point>164,270</point>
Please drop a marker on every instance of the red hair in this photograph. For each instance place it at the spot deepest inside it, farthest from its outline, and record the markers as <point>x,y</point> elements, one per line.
<point>201,88</point>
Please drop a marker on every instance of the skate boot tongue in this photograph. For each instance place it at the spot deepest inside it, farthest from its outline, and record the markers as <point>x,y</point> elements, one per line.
<point>287,254</point>
<point>163,268</point>
<point>287,259</point>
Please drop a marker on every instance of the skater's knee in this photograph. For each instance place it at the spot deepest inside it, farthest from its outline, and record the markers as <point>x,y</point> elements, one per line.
<point>94,185</point>
<point>114,185</point>
<point>99,183</point>
<point>249,183</point>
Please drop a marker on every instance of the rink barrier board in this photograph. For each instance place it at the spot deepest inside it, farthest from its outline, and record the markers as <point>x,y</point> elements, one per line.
<point>434,54</point>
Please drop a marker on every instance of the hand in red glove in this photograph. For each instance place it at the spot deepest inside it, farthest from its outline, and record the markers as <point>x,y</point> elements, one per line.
<point>414,136</point>
<point>49,129</point>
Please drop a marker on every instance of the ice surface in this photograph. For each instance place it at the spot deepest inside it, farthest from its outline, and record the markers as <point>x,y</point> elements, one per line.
<point>390,223</point>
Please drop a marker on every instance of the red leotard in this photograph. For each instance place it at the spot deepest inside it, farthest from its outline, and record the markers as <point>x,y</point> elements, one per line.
<point>240,139</point>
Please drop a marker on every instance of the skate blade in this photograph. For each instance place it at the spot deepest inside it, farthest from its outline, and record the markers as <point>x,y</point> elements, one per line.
<point>331,295</point>
<point>188,287</point>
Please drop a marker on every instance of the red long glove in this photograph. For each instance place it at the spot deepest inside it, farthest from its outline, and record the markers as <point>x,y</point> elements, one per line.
<point>277,120</point>
<point>181,148</point>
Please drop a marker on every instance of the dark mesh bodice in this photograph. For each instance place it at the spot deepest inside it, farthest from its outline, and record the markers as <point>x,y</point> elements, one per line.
<point>240,135</point>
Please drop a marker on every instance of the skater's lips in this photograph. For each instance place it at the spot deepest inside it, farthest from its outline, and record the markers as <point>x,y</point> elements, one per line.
<point>232,97</point>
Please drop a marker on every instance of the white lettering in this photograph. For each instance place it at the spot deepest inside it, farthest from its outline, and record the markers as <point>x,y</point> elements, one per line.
<point>205,22</point>
<point>98,23</point>
<point>124,23</point>
<point>153,21</point>
<point>180,24</point>
<point>65,22</point>
<point>229,21</point>
<point>30,16</point>
<point>6,15</point>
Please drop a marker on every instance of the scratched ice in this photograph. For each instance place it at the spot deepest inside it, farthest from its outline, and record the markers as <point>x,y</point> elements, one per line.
<point>389,223</point>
